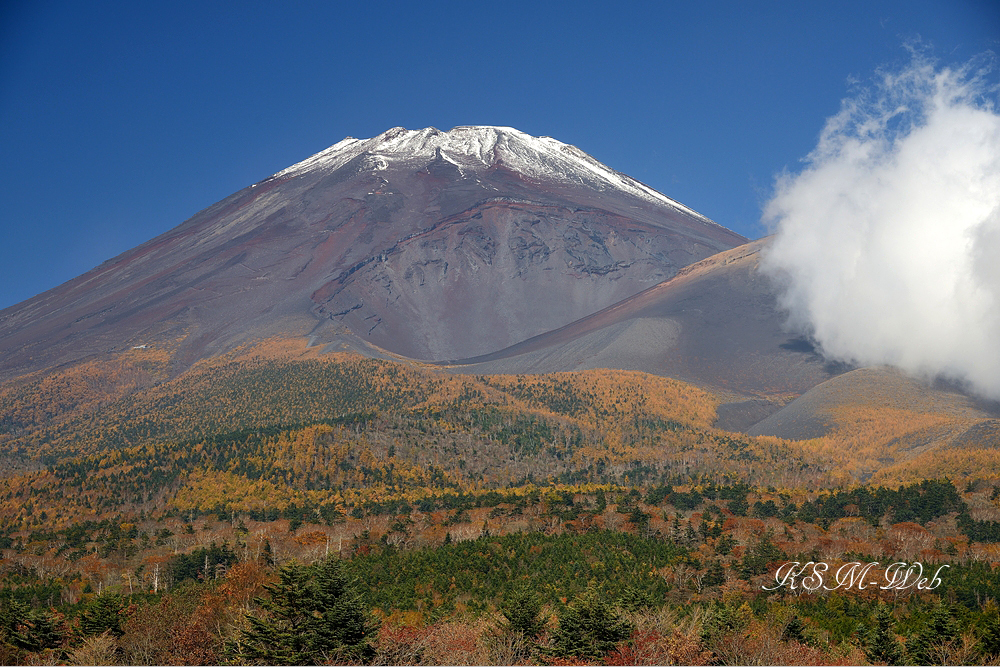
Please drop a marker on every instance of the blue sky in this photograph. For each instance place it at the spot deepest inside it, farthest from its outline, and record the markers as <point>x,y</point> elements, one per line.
<point>118,121</point>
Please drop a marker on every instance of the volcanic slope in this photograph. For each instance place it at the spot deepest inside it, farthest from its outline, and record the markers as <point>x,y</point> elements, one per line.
<point>425,244</point>
<point>885,424</point>
<point>716,324</point>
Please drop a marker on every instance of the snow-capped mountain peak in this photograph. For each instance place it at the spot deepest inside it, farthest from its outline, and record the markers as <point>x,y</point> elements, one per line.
<point>422,243</point>
<point>475,147</point>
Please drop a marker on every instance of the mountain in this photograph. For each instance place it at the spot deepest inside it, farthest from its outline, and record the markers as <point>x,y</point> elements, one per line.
<point>555,362</point>
<point>425,244</point>
<point>484,250</point>
<point>716,324</point>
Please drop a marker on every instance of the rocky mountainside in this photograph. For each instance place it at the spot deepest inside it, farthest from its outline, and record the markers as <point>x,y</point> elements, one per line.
<point>426,244</point>
<point>717,324</point>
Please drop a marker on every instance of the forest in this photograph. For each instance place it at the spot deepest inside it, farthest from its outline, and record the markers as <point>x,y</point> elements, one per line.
<point>594,517</point>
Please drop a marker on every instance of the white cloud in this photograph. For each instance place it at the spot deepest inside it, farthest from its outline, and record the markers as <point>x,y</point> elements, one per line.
<point>887,243</point>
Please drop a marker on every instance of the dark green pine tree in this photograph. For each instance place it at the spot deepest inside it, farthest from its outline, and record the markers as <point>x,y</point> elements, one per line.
<point>942,627</point>
<point>757,557</point>
<point>103,614</point>
<point>315,616</point>
<point>42,630</point>
<point>25,629</point>
<point>522,611</point>
<point>12,615</point>
<point>268,554</point>
<point>989,635</point>
<point>795,630</point>
<point>924,647</point>
<point>724,545</point>
<point>589,628</point>
<point>878,641</point>
<point>918,649</point>
<point>715,575</point>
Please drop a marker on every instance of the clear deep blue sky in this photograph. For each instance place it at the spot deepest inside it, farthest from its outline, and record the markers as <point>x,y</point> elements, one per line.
<point>118,121</point>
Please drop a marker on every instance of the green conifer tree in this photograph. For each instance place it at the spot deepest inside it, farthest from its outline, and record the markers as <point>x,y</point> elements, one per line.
<point>757,557</point>
<point>522,611</point>
<point>25,629</point>
<point>795,630</point>
<point>878,640</point>
<point>714,574</point>
<point>589,628</point>
<point>924,647</point>
<point>103,614</point>
<point>943,626</point>
<point>989,636</point>
<point>314,616</point>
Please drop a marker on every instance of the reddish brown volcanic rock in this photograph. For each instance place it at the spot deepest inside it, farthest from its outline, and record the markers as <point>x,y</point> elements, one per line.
<point>427,244</point>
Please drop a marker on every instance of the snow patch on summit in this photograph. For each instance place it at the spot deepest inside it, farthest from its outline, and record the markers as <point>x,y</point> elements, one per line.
<point>476,146</point>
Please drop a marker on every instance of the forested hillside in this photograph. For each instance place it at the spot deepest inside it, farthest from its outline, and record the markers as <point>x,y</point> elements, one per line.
<point>135,504</point>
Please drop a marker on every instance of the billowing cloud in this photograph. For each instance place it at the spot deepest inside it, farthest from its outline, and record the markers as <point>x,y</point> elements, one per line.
<point>887,242</point>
